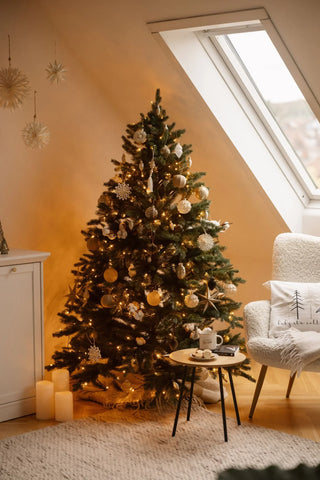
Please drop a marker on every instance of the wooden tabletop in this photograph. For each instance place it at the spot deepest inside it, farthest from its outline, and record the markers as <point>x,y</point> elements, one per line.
<point>183,357</point>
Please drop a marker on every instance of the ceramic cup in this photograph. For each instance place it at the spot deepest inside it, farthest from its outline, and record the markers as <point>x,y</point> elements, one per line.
<point>210,340</point>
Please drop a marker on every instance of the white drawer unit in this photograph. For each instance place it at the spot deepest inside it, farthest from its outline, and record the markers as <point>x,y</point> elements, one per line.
<point>21,331</point>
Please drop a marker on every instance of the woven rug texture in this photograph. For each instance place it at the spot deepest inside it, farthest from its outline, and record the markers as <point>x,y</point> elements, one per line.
<point>95,449</point>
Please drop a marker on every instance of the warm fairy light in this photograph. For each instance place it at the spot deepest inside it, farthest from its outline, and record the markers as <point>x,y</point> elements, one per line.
<point>124,371</point>
<point>164,392</point>
<point>131,389</point>
<point>82,368</point>
<point>118,347</point>
<point>158,355</point>
<point>128,338</point>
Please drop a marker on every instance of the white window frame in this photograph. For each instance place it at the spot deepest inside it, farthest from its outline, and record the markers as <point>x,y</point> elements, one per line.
<point>283,181</point>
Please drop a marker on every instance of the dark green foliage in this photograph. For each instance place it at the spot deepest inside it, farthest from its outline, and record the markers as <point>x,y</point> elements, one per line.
<point>147,251</point>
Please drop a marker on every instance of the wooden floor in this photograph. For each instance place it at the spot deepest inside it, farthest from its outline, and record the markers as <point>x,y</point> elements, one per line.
<point>298,415</point>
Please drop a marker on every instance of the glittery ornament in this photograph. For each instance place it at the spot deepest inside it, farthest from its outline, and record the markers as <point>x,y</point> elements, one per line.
<point>55,72</point>
<point>154,298</point>
<point>140,341</point>
<point>107,301</point>
<point>122,191</point>
<point>165,150</point>
<point>179,181</point>
<point>184,206</point>
<point>191,300</point>
<point>205,242</point>
<point>106,230</point>
<point>94,354</point>
<point>202,192</point>
<point>140,136</point>
<point>151,212</point>
<point>181,271</point>
<point>178,150</point>
<point>110,275</point>
<point>35,134</point>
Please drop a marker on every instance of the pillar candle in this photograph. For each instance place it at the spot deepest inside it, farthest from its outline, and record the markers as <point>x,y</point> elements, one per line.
<point>44,400</point>
<point>60,378</point>
<point>63,406</point>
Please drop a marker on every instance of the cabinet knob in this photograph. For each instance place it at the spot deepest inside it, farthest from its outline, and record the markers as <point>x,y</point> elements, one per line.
<point>13,269</point>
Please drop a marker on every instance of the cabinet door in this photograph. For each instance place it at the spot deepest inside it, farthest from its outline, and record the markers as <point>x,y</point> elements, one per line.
<point>21,359</point>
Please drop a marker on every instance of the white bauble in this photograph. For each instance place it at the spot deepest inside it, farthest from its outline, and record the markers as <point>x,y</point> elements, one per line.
<point>179,181</point>
<point>140,136</point>
<point>178,150</point>
<point>205,242</point>
<point>191,300</point>
<point>184,206</point>
<point>202,192</point>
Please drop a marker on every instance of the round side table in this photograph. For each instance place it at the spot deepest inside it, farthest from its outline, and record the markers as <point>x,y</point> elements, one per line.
<point>183,357</point>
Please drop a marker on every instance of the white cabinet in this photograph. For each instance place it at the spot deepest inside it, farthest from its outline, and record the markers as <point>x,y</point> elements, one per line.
<point>21,331</point>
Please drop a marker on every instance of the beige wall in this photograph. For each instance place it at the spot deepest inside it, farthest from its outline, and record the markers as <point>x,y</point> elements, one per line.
<point>114,67</point>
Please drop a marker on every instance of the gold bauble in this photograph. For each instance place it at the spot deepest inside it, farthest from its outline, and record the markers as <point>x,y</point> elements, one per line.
<point>226,339</point>
<point>131,270</point>
<point>154,298</point>
<point>93,244</point>
<point>181,271</point>
<point>110,275</point>
<point>107,301</point>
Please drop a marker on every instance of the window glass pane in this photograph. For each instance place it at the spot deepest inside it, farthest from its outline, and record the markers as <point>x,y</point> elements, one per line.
<point>281,95</point>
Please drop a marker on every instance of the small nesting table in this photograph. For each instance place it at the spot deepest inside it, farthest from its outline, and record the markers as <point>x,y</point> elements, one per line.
<point>182,357</point>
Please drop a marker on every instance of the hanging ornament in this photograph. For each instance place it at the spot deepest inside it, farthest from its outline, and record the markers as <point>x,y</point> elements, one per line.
<point>184,206</point>
<point>181,271</point>
<point>210,298</point>
<point>130,223</point>
<point>230,288</point>
<point>151,212</point>
<point>93,244</point>
<point>3,244</point>
<point>202,192</point>
<point>178,150</point>
<point>14,85</point>
<point>72,295</point>
<point>94,354</point>
<point>191,300</point>
<point>35,134</point>
<point>140,341</point>
<point>140,136</point>
<point>165,151</point>
<point>154,298</point>
<point>226,225</point>
<point>122,191</point>
<point>179,181</point>
<point>55,71</point>
<point>189,162</point>
<point>107,301</point>
<point>106,230</point>
<point>110,275</point>
<point>205,242</point>
<point>131,271</point>
<point>150,181</point>
<point>122,233</point>
<point>212,283</point>
<point>141,166</point>
<point>158,109</point>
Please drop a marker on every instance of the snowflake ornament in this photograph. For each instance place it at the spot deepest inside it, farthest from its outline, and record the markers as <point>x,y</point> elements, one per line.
<point>14,87</point>
<point>123,191</point>
<point>55,72</point>
<point>94,354</point>
<point>35,134</point>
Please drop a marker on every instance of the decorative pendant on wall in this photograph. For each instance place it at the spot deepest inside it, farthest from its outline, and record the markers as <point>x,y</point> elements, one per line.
<point>14,85</point>
<point>35,134</point>
<point>3,244</point>
<point>55,71</point>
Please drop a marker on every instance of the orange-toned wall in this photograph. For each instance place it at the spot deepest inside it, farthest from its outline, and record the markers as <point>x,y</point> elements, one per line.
<point>114,67</point>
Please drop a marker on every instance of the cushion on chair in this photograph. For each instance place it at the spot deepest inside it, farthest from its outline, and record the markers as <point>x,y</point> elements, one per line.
<point>294,305</point>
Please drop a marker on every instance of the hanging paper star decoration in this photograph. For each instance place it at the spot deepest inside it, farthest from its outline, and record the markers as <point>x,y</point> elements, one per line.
<point>210,298</point>
<point>55,72</point>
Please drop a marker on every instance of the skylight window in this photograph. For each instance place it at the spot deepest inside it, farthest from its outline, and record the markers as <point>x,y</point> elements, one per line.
<point>258,65</point>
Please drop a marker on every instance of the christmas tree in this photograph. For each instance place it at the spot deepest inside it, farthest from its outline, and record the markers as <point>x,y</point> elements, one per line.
<point>153,275</point>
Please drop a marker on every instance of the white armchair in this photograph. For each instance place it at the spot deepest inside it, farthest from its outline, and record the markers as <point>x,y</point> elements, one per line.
<point>296,258</point>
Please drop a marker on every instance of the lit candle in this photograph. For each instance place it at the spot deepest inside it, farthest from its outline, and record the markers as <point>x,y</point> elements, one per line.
<point>63,406</point>
<point>44,400</point>
<point>60,380</point>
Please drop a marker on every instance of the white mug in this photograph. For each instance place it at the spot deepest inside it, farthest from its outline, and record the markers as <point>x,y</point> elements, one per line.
<point>210,340</point>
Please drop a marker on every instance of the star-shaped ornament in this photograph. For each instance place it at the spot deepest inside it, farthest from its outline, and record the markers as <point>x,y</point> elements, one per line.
<point>210,298</point>
<point>72,295</point>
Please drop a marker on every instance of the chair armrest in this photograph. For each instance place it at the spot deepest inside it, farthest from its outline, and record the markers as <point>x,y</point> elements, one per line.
<point>257,319</point>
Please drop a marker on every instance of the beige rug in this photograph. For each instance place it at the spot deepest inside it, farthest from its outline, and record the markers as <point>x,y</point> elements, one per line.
<point>95,449</point>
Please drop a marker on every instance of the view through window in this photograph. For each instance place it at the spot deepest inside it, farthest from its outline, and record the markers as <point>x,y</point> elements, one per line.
<point>269,75</point>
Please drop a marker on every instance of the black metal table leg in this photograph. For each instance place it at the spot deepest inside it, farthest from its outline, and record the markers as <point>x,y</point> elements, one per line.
<point>179,402</point>
<point>191,393</point>
<point>234,397</point>
<point>223,406</point>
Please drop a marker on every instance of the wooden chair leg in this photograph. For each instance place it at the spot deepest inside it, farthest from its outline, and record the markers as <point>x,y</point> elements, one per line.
<point>291,380</point>
<point>262,374</point>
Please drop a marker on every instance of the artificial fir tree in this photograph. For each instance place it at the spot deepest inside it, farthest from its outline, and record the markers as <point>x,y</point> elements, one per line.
<point>154,273</point>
